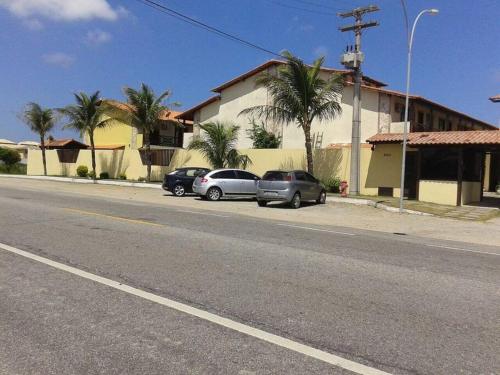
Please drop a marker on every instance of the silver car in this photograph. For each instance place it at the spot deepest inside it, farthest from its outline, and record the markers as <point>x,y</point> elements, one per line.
<point>220,183</point>
<point>290,186</point>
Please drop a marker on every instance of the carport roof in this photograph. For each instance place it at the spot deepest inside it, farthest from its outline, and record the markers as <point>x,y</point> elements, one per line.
<point>472,137</point>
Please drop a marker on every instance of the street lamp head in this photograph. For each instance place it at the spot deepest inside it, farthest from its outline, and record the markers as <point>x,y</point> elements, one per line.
<point>433,12</point>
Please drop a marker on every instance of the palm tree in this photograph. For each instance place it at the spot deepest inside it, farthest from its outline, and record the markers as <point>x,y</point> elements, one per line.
<point>218,146</point>
<point>41,121</point>
<point>86,116</point>
<point>300,95</point>
<point>145,107</point>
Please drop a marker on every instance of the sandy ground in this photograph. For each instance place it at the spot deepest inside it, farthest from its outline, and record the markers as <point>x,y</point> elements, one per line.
<point>334,214</point>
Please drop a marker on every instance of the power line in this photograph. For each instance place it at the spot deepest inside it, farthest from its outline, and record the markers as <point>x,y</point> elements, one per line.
<point>314,4</point>
<point>182,17</point>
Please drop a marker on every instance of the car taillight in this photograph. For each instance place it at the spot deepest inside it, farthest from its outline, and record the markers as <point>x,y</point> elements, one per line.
<point>203,180</point>
<point>288,178</point>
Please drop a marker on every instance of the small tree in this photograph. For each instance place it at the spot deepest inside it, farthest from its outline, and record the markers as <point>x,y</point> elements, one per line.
<point>261,137</point>
<point>86,116</point>
<point>41,121</point>
<point>300,95</point>
<point>9,157</point>
<point>218,145</point>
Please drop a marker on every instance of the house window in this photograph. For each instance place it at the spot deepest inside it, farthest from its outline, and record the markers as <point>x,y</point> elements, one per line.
<point>420,119</point>
<point>158,157</point>
<point>68,155</point>
<point>472,165</point>
<point>439,164</point>
<point>442,124</point>
<point>428,121</point>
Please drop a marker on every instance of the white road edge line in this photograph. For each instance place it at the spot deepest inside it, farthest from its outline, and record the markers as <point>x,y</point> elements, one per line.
<point>202,213</point>
<point>213,318</point>
<point>316,229</point>
<point>461,249</point>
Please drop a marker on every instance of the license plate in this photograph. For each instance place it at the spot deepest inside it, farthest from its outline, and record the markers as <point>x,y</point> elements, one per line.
<point>271,193</point>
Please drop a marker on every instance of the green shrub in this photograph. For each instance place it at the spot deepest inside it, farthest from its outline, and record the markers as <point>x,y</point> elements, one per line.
<point>82,171</point>
<point>261,137</point>
<point>123,176</point>
<point>141,179</point>
<point>104,176</point>
<point>13,169</point>
<point>332,184</point>
<point>9,157</point>
<point>92,174</point>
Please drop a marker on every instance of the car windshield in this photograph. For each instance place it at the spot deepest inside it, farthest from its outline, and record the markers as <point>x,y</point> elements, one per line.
<point>275,176</point>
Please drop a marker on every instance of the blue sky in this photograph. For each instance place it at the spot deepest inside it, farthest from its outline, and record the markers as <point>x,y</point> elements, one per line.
<point>49,53</point>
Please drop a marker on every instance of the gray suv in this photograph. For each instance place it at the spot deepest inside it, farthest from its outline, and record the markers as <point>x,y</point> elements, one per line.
<point>290,186</point>
<point>220,183</point>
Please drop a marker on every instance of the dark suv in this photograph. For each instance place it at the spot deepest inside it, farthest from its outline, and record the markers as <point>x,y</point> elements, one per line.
<point>180,181</point>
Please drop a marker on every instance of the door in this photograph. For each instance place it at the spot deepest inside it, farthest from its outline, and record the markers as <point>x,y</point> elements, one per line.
<point>248,182</point>
<point>314,186</point>
<point>303,185</point>
<point>227,182</point>
<point>411,175</point>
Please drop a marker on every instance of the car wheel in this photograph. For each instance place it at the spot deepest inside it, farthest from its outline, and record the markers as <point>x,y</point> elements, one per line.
<point>214,194</point>
<point>295,203</point>
<point>322,198</point>
<point>179,190</point>
<point>262,203</point>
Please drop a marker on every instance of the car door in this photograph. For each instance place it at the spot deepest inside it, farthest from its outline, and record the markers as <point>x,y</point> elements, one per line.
<point>248,183</point>
<point>227,182</point>
<point>302,185</point>
<point>314,186</point>
<point>188,179</point>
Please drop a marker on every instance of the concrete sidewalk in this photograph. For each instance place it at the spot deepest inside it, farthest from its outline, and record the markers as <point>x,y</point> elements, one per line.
<point>333,213</point>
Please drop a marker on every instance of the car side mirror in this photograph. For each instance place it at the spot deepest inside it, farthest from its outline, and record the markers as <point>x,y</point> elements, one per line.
<point>256,178</point>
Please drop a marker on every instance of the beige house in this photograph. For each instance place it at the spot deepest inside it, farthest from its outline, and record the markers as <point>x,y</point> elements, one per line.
<point>382,111</point>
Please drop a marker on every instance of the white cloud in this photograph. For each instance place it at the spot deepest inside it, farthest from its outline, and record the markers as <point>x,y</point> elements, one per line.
<point>97,37</point>
<point>321,51</point>
<point>59,58</point>
<point>63,10</point>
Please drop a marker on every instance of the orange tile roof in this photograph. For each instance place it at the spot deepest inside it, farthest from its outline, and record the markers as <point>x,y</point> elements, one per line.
<point>470,137</point>
<point>109,147</point>
<point>63,142</point>
<point>166,115</point>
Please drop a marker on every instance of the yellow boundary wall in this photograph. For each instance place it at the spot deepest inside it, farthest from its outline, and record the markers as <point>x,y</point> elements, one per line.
<point>378,168</point>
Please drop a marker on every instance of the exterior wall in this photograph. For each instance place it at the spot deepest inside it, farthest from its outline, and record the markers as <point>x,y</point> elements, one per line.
<point>471,192</point>
<point>245,94</point>
<point>440,192</point>
<point>118,133</point>
<point>381,168</point>
<point>487,172</point>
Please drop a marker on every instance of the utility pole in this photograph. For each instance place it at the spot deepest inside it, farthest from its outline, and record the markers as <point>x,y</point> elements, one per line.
<point>352,60</point>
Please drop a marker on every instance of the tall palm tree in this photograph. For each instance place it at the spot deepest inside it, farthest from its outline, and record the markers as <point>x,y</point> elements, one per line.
<point>300,95</point>
<point>41,121</point>
<point>218,145</point>
<point>145,107</point>
<point>86,116</point>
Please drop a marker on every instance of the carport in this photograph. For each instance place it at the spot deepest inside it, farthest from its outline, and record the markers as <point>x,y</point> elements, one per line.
<point>452,167</point>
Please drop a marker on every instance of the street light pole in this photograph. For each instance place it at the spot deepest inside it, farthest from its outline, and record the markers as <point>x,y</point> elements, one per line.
<point>407,101</point>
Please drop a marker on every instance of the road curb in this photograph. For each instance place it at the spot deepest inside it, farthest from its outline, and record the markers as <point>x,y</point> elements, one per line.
<point>84,181</point>
<point>368,202</point>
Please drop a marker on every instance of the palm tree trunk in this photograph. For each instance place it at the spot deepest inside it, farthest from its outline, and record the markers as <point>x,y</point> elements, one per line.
<point>44,160</point>
<point>309,155</point>
<point>92,152</point>
<point>147,144</point>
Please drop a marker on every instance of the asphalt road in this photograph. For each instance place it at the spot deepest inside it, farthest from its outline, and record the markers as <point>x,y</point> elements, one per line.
<point>400,304</point>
